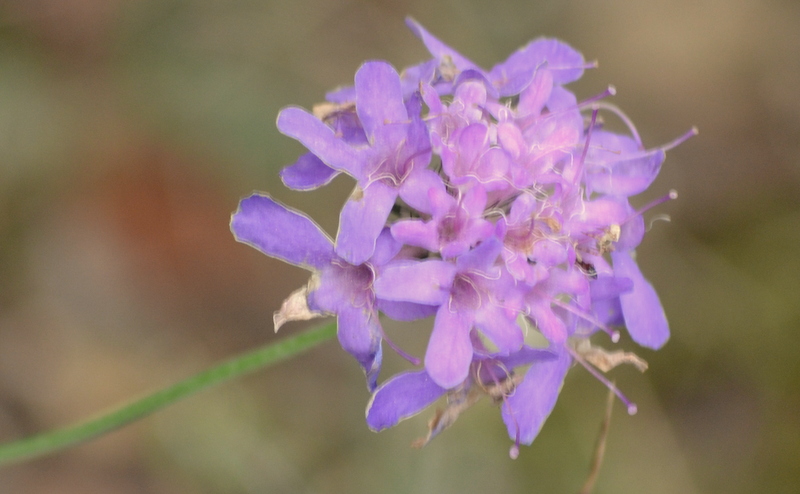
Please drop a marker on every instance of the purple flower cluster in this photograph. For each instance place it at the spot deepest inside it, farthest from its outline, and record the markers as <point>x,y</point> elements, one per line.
<point>492,200</point>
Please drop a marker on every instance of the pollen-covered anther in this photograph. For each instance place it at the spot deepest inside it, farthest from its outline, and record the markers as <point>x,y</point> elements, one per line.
<point>551,223</point>
<point>606,241</point>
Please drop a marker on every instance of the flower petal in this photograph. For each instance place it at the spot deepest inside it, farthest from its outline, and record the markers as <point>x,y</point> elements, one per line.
<point>405,311</point>
<point>359,334</point>
<point>438,49</point>
<point>495,324</point>
<point>449,352</point>
<point>618,166</point>
<point>401,397</point>
<point>320,140</point>
<point>644,315</point>
<point>309,172</point>
<point>379,98</point>
<point>565,63</point>
<point>362,220</point>
<point>525,410</point>
<point>423,282</point>
<point>281,232</point>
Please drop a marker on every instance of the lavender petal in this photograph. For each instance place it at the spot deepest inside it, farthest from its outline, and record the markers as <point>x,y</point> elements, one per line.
<point>281,232</point>
<point>401,397</point>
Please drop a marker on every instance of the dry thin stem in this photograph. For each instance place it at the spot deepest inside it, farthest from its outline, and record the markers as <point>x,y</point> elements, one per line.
<point>600,448</point>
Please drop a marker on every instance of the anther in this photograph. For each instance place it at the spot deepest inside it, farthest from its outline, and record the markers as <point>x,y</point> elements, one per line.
<point>610,91</point>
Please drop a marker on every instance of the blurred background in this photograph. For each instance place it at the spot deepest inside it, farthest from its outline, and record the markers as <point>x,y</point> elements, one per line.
<point>130,129</point>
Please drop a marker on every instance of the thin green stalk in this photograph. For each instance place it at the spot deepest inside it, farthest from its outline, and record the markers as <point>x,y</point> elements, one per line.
<point>49,442</point>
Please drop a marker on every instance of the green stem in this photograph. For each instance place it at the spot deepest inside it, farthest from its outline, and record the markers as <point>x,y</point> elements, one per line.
<point>49,442</point>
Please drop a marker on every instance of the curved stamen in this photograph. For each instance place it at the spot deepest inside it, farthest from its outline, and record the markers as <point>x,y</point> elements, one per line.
<point>671,195</point>
<point>413,360</point>
<point>612,333</point>
<point>631,406</point>
<point>680,140</point>
<point>579,167</point>
<point>610,91</point>
<point>648,152</point>
<point>622,116</point>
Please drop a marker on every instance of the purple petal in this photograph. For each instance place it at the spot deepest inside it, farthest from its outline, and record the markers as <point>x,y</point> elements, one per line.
<point>525,410</point>
<point>386,248</point>
<point>415,190</point>
<point>417,233</point>
<point>607,287</point>
<point>549,324</point>
<point>482,258</point>
<point>617,165</point>
<point>631,233</point>
<point>626,177</point>
<point>281,232</point>
<point>502,330</point>
<point>423,73</point>
<point>362,220</point>
<point>563,62</point>
<point>644,315</point>
<point>438,49</point>
<point>423,282</point>
<point>309,172</point>
<point>379,97</point>
<point>600,213</point>
<point>344,94</point>
<point>359,334</point>
<point>449,352</point>
<point>405,311</point>
<point>320,140</point>
<point>535,96</point>
<point>526,355</point>
<point>471,88</point>
<point>340,286</point>
<point>401,397</point>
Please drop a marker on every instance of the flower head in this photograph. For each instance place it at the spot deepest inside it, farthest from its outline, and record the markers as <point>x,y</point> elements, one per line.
<point>492,199</point>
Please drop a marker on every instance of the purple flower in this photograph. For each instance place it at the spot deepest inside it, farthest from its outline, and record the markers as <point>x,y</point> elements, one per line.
<point>470,293</point>
<point>491,199</point>
<point>456,224</point>
<point>336,287</point>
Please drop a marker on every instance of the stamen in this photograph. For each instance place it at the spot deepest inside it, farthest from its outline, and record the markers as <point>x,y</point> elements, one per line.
<point>579,167</point>
<point>513,453</point>
<point>413,360</point>
<point>680,140</point>
<point>631,406</point>
<point>671,195</point>
<point>647,152</point>
<point>612,333</point>
<point>627,121</point>
<point>610,91</point>
<point>592,100</point>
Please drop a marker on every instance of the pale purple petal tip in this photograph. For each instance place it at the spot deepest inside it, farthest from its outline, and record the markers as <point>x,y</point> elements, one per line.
<point>307,173</point>
<point>379,96</point>
<point>641,308</point>
<point>526,410</point>
<point>362,220</point>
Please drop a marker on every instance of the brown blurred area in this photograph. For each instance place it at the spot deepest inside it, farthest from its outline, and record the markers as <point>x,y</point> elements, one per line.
<point>129,131</point>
